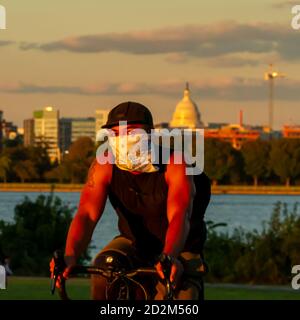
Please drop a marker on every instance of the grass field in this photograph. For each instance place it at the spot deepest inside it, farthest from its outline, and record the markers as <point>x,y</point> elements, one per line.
<point>20,288</point>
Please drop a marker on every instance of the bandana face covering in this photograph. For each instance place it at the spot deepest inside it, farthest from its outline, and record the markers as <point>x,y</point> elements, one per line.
<point>132,152</point>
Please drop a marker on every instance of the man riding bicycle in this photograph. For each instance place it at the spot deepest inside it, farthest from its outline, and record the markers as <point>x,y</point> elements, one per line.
<point>160,209</point>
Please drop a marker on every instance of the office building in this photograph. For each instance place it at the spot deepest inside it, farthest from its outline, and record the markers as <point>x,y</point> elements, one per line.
<point>291,132</point>
<point>100,119</point>
<point>28,132</point>
<point>71,129</point>
<point>234,134</point>
<point>46,130</point>
<point>9,130</point>
<point>83,127</point>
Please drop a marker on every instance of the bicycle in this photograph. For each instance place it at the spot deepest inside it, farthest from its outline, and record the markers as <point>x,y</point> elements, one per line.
<point>118,279</point>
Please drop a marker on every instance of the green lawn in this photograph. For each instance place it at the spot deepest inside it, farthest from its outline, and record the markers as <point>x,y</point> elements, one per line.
<point>39,289</point>
<point>224,293</point>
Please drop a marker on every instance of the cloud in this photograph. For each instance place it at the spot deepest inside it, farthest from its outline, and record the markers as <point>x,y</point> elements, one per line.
<point>203,41</point>
<point>236,60</point>
<point>227,88</point>
<point>284,4</point>
<point>176,58</point>
<point>101,89</point>
<point>5,43</point>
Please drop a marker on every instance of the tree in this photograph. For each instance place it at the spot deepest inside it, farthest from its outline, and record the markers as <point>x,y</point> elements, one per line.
<point>221,160</point>
<point>256,159</point>
<point>39,228</point>
<point>285,159</point>
<point>25,170</point>
<point>5,164</point>
<point>60,173</point>
<point>79,159</point>
<point>10,143</point>
<point>253,257</point>
<point>36,157</point>
<point>39,156</point>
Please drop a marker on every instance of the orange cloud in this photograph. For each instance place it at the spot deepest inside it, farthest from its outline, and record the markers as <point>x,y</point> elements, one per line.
<point>178,43</point>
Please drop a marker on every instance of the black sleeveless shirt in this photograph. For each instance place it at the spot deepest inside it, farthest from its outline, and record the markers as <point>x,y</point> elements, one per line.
<point>140,201</point>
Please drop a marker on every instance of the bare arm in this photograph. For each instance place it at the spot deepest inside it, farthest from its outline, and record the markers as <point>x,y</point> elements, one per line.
<point>91,206</point>
<point>181,190</point>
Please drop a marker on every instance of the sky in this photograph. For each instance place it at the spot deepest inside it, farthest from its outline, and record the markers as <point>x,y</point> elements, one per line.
<point>89,54</point>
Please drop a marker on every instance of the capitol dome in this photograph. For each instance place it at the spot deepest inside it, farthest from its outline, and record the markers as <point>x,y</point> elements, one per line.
<point>186,114</point>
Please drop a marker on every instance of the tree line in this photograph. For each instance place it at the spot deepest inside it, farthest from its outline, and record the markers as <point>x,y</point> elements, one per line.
<point>258,162</point>
<point>39,228</point>
<point>32,164</point>
<point>253,257</point>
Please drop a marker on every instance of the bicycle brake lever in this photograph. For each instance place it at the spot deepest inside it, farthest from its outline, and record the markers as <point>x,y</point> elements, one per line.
<point>59,267</point>
<point>166,262</point>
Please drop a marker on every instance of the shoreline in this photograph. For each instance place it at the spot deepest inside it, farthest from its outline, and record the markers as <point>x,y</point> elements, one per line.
<point>219,189</point>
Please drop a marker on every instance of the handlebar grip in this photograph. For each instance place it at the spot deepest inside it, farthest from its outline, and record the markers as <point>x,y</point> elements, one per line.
<point>166,262</point>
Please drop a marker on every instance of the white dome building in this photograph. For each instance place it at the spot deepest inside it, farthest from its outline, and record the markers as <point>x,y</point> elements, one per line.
<point>186,114</point>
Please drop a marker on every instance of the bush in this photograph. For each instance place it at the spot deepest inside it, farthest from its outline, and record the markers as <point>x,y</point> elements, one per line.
<point>39,228</point>
<point>252,257</point>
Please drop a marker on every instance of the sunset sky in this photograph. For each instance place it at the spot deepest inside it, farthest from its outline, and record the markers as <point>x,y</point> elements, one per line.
<point>86,54</point>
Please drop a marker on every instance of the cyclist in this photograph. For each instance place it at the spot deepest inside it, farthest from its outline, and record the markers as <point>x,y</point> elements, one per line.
<point>160,209</point>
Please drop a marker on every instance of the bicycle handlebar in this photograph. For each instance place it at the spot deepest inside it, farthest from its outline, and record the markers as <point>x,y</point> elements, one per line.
<point>108,274</point>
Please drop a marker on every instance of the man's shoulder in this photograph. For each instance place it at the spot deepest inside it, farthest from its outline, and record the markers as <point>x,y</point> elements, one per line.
<point>100,170</point>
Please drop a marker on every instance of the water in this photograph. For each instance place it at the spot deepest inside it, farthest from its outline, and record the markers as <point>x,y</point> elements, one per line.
<point>247,211</point>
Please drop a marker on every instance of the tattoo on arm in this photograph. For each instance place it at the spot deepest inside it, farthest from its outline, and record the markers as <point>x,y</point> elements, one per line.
<point>91,173</point>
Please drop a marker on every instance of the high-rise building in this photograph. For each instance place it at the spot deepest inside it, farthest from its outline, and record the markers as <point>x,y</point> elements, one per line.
<point>28,132</point>
<point>9,130</point>
<point>83,127</point>
<point>65,132</point>
<point>71,129</point>
<point>46,130</point>
<point>101,118</point>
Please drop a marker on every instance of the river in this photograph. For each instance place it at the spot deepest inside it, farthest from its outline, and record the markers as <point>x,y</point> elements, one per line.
<point>247,211</point>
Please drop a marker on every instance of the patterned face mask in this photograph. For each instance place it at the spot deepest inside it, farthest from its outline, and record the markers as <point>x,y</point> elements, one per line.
<point>132,152</point>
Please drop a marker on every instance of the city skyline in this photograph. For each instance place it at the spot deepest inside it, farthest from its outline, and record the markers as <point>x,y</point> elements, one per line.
<point>96,56</point>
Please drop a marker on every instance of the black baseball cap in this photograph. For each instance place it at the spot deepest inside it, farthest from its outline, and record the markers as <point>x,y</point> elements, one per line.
<point>132,112</point>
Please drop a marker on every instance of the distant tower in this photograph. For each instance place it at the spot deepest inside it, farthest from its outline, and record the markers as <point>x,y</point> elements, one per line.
<point>271,76</point>
<point>186,114</point>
